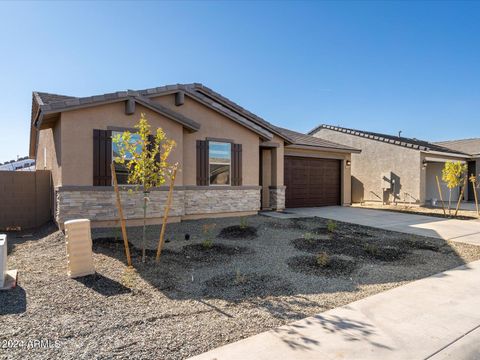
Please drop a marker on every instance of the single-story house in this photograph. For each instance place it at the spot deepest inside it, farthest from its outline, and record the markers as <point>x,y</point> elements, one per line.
<point>394,168</point>
<point>232,161</point>
<point>471,147</point>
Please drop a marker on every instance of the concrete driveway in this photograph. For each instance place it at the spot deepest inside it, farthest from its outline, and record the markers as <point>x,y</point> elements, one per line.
<point>466,231</point>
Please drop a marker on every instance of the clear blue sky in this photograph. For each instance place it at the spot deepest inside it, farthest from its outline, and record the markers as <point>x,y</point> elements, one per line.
<point>379,66</point>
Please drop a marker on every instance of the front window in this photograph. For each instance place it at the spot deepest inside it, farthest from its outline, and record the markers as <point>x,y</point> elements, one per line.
<point>120,169</point>
<point>219,158</point>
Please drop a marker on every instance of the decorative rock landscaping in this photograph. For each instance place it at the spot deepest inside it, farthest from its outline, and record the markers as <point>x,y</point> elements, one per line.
<point>208,290</point>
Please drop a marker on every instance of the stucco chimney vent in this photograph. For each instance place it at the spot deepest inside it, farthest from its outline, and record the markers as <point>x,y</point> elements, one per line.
<point>179,98</point>
<point>130,107</point>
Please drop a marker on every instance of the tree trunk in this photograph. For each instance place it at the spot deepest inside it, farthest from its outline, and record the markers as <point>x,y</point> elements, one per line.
<point>449,202</point>
<point>144,233</point>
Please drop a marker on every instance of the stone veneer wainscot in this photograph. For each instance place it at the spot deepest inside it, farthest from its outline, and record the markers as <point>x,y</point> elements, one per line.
<point>99,203</point>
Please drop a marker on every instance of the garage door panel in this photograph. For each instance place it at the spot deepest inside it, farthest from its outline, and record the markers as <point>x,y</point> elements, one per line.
<point>312,182</point>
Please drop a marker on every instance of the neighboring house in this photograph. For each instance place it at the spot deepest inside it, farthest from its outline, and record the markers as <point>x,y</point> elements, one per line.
<point>471,147</point>
<point>24,164</point>
<point>393,168</point>
<point>232,161</point>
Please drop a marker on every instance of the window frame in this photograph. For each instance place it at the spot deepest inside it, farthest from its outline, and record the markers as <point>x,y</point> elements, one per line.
<point>116,131</point>
<point>220,141</point>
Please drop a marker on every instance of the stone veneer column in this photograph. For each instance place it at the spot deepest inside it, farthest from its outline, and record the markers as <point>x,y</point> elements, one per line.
<point>277,197</point>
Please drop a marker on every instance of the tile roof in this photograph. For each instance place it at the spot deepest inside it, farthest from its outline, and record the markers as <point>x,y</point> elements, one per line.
<point>412,143</point>
<point>54,102</point>
<point>308,140</point>
<point>48,98</point>
<point>469,146</point>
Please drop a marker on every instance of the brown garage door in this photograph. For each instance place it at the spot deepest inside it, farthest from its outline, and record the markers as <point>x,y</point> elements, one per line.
<point>311,182</point>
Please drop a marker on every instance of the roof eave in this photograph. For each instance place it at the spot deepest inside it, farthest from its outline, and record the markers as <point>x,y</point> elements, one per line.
<point>323,148</point>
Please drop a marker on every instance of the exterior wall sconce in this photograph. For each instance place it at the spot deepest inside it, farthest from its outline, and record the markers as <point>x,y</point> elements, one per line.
<point>425,163</point>
<point>348,163</point>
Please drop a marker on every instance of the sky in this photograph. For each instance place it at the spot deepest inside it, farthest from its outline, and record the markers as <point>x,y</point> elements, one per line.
<point>377,66</point>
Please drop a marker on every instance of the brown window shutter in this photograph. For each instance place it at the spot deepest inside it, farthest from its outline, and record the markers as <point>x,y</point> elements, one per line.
<point>202,162</point>
<point>102,157</point>
<point>236,164</point>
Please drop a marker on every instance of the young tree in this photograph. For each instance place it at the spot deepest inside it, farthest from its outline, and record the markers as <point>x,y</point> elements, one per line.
<point>453,175</point>
<point>145,156</point>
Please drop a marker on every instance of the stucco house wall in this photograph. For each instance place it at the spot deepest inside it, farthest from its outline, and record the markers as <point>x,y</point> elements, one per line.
<point>65,126</point>
<point>49,153</point>
<point>379,158</point>
<point>76,196</point>
<point>214,125</point>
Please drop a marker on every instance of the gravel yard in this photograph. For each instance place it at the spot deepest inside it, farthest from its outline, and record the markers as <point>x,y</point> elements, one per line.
<point>207,291</point>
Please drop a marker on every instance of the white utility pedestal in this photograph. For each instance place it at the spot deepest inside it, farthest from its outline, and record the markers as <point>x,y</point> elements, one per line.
<point>8,278</point>
<point>3,259</point>
<point>79,248</point>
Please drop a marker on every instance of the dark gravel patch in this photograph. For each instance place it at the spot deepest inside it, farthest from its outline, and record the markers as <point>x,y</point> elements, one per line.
<point>356,249</point>
<point>385,253</point>
<point>424,245</point>
<point>290,224</point>
<point>238,232</point>
<point>217,253</point>
<point>338,265</point>
<point>238,286</point>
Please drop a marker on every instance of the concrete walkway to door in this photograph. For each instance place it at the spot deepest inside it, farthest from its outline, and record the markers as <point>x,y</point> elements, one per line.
<point>466,231</point>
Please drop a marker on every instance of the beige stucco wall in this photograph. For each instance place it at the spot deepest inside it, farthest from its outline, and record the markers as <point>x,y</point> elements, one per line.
<point>435,164</point>
<point>435,169</point>
<point>77,137</point>
<point>49,152</point>
<point>266,177</point>
<point>378,158</point>
<point>346,190</point>
<point>214,125</point>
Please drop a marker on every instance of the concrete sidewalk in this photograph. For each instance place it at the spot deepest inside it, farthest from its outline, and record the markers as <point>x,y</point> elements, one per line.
<point>434,318</point>
<point>466,231</point>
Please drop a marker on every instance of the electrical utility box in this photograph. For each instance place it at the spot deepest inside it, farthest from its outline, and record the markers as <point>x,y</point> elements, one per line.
<point>79,248</point>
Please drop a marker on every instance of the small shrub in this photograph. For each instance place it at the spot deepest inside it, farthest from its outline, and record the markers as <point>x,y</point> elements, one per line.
<point>310,237</point>
<point>208,231</point>
<point>371,249</point>
<point>207,243</point>
<point>128,277</point>
<point>331,226</point>
<point>243,222</point>
<point>323,260</point>
<point>240,278</point>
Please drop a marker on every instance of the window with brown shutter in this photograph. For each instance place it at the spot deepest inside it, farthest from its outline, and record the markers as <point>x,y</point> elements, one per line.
<point>236,164</point>
<point>216,166</point>
<point>102,157</point>
<point>202,163</point>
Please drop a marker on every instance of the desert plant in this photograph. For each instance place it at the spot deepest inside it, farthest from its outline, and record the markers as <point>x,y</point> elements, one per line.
<point>323,260</point>
<point>207,230</point>
<point>207,243</point>
<point>128,277</point>
<point>371,249</point>
<point>310,237</point>
<point>331,226</point>
<point>453,174</point>
<point>240,278</point>
<point>145,155</point>
<point>243,222</point>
